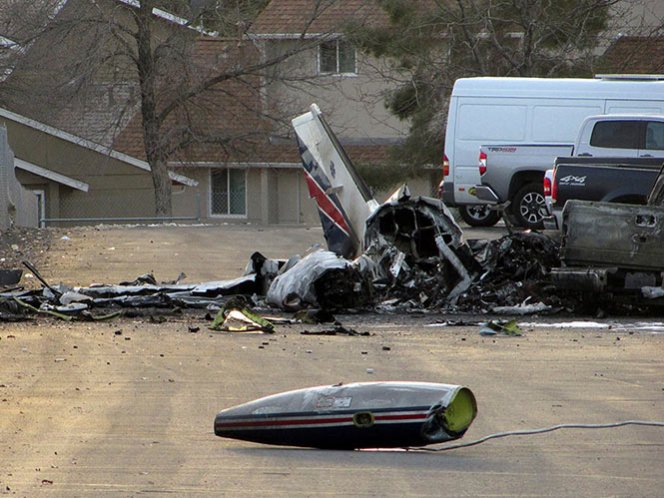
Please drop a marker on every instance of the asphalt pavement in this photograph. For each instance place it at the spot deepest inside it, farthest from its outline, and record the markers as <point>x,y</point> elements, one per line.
<point>126,407</point>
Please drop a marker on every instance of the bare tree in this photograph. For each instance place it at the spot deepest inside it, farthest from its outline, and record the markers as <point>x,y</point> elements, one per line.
<point>432,43</point>
<point>190,72</point>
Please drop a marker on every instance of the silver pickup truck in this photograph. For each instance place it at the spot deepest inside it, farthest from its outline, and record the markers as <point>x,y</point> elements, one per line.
<point>512,176</point>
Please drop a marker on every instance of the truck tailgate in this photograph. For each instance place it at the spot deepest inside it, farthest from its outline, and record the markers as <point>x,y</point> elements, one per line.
<point>622,235</point>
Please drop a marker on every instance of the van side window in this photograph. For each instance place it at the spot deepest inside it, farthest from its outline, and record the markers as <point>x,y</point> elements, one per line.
<point>616,135</point>
<point>655,135</point>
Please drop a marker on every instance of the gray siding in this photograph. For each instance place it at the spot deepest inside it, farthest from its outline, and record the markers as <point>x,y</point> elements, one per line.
<point>18,206</point>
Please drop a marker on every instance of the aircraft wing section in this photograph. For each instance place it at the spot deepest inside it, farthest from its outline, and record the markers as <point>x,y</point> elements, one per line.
<point>343,198</point>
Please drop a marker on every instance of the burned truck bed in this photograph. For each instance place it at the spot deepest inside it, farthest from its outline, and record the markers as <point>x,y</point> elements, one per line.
<point>614,248</point>
<point>622,235</point>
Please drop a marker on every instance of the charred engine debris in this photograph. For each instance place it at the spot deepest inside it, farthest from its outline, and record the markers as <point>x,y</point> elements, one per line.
<point>426,264</point>
<point>417,254</point>
<point>515,270</point>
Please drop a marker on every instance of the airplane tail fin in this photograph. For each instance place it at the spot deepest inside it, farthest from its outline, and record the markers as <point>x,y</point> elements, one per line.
<point>344,200</point>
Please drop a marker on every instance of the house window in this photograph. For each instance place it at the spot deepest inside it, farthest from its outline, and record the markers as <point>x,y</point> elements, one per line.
<point>228,192</point>
<point>336,57</point>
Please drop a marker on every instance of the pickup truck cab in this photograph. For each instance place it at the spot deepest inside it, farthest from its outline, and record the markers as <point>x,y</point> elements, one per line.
<point>623,136</point>
<point>626,180</point>
<point>512,175</point>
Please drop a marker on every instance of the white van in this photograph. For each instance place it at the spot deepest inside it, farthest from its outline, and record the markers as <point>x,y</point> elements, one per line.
<point>528,111</point>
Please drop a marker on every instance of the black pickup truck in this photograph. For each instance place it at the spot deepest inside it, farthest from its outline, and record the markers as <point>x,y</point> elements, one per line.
<point>625,180</point>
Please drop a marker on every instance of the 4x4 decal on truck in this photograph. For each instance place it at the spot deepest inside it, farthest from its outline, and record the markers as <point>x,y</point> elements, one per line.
<point>573,181</point>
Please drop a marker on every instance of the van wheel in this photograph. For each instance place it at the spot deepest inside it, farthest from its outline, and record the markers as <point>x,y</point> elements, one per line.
<point>479,215</point>
<point>528,207</point>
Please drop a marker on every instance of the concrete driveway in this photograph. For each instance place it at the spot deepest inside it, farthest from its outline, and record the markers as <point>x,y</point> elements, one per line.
<point>80,256</point>
<point>125,408</point>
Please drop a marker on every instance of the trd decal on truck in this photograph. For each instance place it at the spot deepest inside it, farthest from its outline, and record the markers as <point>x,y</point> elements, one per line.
<point>573,181</point>
<point>502,149</point>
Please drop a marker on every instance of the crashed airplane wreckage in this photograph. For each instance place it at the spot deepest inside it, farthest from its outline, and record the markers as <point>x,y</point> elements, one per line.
<point>412,255</point>
<point>406,254</point>
<point>388,240</point>
<point>417,255</point>
<point>353,416</point>
<point>411,248</point>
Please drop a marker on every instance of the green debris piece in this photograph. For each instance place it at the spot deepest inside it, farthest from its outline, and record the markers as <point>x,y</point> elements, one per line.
<point>505,327</point>
<point>234,317</point>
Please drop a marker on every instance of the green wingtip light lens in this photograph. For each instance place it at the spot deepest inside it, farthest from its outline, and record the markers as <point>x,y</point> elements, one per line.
<point>461,411</point>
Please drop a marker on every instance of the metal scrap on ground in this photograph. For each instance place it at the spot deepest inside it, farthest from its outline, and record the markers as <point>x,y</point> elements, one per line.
<point>409,254</point>
<point>403,268</point>
<point>416,258</point>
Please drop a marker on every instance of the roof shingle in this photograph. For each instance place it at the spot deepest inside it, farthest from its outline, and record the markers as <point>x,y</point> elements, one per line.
<point>229,121</point>
<point>635,55</point>
<point>295,17</point>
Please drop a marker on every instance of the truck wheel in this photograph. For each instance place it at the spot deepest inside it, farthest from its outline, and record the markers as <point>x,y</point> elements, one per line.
<point>528,207</point>
<point>479,215</point>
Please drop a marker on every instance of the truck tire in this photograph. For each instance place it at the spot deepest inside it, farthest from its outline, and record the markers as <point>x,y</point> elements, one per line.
<point>528,207</point>
<point>479,215</point>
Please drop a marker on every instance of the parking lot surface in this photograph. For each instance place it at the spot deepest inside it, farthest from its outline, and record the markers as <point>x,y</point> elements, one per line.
<point>126,407</point>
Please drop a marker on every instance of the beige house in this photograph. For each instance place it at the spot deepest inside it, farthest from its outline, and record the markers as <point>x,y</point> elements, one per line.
<point>75,179</point>
<point>348,86</point>
<point>264,183</point>
<point>80,176</point>
<point>262,180</point>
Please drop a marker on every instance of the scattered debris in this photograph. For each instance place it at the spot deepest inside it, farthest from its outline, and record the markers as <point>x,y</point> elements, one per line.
<point>505,327</point>
<point>10,277</point>
<point>514,269</point>
<point>522,309</point>
<point>314,315</point>
<point>337,330</point>
<point>416,259</point>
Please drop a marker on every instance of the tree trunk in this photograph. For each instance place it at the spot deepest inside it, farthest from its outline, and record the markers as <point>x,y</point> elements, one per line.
<point>162,188</point>
<point>154,148</point>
